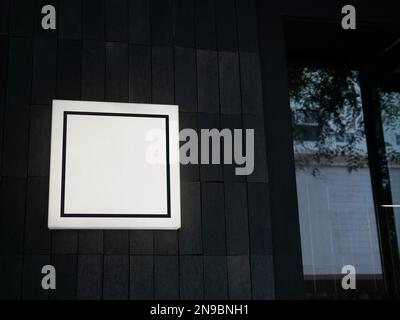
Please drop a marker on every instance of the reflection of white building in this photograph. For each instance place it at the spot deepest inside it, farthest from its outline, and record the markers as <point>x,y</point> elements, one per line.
<point>337,221</point>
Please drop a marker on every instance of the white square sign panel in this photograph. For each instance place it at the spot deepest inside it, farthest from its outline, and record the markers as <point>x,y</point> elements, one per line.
<point>114,166</point>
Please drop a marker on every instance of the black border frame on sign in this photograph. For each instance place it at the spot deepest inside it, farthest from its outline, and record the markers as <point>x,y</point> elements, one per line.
<point>116,215</point>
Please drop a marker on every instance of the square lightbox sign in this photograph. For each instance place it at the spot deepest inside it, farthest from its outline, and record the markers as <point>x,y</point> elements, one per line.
<point>114,166</point>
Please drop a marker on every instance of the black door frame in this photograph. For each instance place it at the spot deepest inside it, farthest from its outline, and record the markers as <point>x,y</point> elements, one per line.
<point>287,257</point>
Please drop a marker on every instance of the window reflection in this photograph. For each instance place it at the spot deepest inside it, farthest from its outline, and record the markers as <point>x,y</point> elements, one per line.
<point>335,199</point>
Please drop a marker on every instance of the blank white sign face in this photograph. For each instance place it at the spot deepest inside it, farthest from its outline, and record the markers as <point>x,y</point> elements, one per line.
<point>114,166</point>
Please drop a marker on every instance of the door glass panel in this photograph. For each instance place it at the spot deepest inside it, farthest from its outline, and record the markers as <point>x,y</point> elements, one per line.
<point>335,199</point>
<point>390,115</point>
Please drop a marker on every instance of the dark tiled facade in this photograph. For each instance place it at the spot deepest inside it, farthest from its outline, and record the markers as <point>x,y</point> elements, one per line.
<point>200,54</point>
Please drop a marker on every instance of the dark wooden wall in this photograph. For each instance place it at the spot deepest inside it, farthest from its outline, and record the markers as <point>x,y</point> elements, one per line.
<point>199,54</point>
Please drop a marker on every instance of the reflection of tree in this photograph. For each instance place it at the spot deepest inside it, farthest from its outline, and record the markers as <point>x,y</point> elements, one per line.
<point>332,99</point>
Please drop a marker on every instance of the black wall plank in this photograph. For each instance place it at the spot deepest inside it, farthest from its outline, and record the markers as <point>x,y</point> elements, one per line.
<point>259,219</point>
<point>166,242</point>
<point>250,80</point>
<point>93,74</point>
<point>19,71</point>
<point>166,277</point>
<point>162,75</point>
<point>32,277</point>
<point>12,204</point>
<point>3,67</point>
<point>116,20</point>
<point>66,267</point>
<point>90,277</point>
<point>93,71</point>
<point>116,277</point>
<point>260,173</point>
<point>4,15</point>
<point>90,241</point>
<point>15,145</point>
<point>39,141</point>
<point>191,277</point>
<point>37,235</point>
<point>205,24</point>
<point>262,274</point>
<point>161,22</point>
<point>141,277</point>
<point>116,242</point>
<point>207,81</point>
<point>190,233</point>
<point>213,218</point>
<point>21,18</point>
<point>70,19</point>
<point>44,70</point>
<point>185,79</point>
<point>209,172</point>
<point>191,171</point>
<point>237,231</point>
<point>229,81</point>
<point>247,25</point>
<point>139,74</point>
<point>64,241</point>
<point>215,278</point>
<point>184,23</point>
<point>139,22</point>
<point>69,69</point>
<point>10,277</point>
<point>2,124</point>
<point>117,59</point>
<point>239,277</point>
<point>232,122</point>
<point>226,25</point>
<point>141,242</point>
<point>93,19</point>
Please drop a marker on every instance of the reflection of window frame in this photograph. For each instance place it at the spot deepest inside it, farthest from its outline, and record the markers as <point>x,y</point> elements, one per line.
<point>370,84</point>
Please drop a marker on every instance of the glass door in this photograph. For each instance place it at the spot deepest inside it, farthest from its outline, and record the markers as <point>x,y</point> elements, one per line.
<point>388,125</point>
<point>344,90</point>
<point>335,196</point>
<point>390,117</point>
